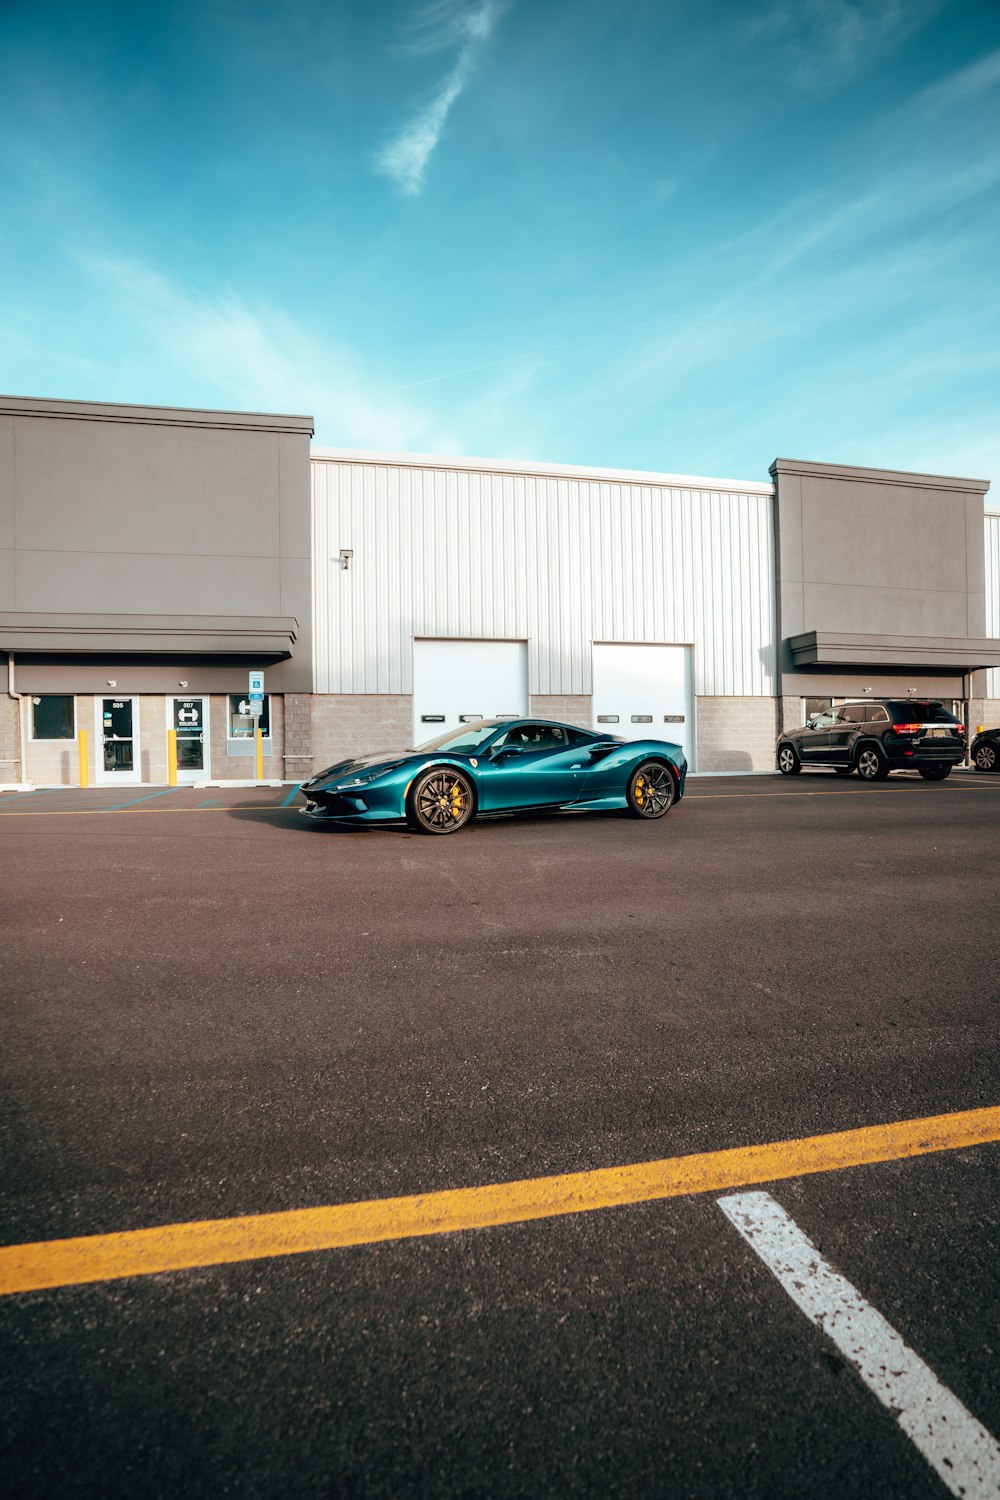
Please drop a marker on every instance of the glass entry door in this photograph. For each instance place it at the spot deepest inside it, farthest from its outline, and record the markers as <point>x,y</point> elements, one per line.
<point>189,718</point>
<point>118,754</point>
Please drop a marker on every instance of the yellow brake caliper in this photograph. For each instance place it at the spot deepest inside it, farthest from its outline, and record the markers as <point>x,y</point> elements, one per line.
<point>640,784</point>
<point>456,801</point>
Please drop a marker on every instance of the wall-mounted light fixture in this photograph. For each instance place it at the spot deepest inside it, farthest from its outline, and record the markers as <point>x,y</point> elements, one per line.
<point>183,682</point>
<point>346,553</point>
<point>112,682</point>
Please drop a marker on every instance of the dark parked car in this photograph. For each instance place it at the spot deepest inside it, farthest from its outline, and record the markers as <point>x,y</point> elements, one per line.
<point>985,750</point>
<point>875,737</point>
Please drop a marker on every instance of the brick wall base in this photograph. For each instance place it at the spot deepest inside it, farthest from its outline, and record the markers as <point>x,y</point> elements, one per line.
<point>564,708</point>
<point>345,724</point>
<point>10,752</point>
<point>735,734</point>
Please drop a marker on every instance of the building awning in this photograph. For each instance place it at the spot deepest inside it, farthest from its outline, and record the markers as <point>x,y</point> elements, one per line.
<point>165,635</point>
<point>834,648</point>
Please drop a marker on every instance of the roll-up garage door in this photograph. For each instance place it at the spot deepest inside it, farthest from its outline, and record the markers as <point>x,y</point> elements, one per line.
<point>456,681</point>
<point>644,692</point>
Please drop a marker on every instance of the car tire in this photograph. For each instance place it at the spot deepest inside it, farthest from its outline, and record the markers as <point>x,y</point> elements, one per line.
<point>934,773</point>
<point>986,758</point>
<point>788,761</point>
<point>440,801</point>
<point>651,791</point>
<point>871,764</point>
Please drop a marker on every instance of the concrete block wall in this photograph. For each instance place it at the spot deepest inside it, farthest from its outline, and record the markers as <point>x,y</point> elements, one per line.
<point>11,770</point>
<point>345,724</point>
<point>565,709</point>
<point>735,734</point>
<point>228,767</point>
<point>298,758</point>
<point>57,762</point>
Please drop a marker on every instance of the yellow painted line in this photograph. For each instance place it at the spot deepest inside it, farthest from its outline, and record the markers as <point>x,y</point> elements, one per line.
<point>213,1242</point>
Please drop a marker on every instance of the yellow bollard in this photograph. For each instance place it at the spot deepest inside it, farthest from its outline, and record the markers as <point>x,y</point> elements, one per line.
<point>171,757</point>
<point>82,739</point>
<point>260,754</point>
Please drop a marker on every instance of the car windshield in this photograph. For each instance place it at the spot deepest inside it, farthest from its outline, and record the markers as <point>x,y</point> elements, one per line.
<point>465,740</point>
<point>919,711</point>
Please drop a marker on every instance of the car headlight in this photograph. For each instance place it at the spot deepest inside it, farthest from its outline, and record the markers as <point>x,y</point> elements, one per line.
<point>364,779</point>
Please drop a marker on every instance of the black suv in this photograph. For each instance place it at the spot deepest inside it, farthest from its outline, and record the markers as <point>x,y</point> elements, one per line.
<point>985,750</point>
<point>875,737</point>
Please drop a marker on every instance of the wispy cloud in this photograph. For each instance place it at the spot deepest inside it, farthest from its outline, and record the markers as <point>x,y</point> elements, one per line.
<point>819,44</point>
<point>213,348</point>
<point>440,26</point>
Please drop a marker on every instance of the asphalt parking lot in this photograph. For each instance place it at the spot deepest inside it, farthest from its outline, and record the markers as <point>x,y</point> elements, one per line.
<point>218,1011</point>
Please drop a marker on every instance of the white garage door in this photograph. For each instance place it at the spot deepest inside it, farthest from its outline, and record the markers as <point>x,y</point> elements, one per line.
<point>644,692</point>
<point>455,681</point>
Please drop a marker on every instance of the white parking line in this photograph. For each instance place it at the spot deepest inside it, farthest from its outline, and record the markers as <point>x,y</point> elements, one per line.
<point>957,1447</point>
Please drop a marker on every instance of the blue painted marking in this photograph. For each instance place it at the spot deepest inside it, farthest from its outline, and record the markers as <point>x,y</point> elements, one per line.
<point>210,803</point>
<point>120,806</point>
<point>291,796</point>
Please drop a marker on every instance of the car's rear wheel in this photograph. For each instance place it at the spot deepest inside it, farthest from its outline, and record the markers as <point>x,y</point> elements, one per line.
<point>872,764</point>
<point>934,773</point>
<point>651,792</point>
<point>440,801</point>
<point>788,761</point>
<point>986,758</point>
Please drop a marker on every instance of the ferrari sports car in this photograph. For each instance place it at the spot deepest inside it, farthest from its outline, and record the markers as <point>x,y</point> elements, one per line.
<point>499,766</point>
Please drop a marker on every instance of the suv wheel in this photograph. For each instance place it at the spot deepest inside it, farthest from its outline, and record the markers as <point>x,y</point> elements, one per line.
<point>934,773</point>
<point>986,758</point>
<point>788,762</point>
<point>872,764</point>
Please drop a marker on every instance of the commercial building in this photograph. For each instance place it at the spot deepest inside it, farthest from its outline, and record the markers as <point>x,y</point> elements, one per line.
<point>150,557</point>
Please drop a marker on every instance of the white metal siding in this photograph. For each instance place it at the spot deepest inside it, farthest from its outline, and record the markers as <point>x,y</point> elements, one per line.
<point>993,597</point>
<point>557,561</point>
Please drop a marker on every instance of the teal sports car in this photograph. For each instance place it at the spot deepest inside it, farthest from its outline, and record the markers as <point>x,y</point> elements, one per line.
<point>499,766</point>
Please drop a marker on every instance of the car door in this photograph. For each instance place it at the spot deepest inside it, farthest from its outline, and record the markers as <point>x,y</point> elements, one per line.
<point>813,742</point>
<point>844,732</point>
<point>531,765</point>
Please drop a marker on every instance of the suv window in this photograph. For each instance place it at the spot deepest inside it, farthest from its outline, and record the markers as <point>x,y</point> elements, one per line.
<point>919,711</point>
<point>853,713</point>
<point>875,714</point>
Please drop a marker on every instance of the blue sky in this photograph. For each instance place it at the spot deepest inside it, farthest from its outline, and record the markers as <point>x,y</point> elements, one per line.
<point>680,235</point>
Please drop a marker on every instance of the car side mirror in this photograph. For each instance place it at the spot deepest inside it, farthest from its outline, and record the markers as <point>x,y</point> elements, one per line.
<point>507,751</point>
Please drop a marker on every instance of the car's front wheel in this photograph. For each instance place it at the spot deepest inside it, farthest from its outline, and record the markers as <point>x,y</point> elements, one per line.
<point>441,801</point>
<point>788,761</point>
<point>986,758</point>
<point>872,764</point>
<point>934,773</point>
<point>651,792</point>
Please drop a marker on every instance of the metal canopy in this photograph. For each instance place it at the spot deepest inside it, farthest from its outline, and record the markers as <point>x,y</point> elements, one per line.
<point>834,648</point>
<point>174,635</point>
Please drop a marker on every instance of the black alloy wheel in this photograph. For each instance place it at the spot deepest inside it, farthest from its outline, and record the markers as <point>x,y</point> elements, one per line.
<point>651,791</point>
<point>986,758</point>
<point>934,773</point>
<point>872,764</point>
<point>441,801</point>
<point>788,761</point>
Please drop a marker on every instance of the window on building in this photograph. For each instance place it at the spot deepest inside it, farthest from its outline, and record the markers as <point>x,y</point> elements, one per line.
<point>53,717</point>
<point>241,725</point>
